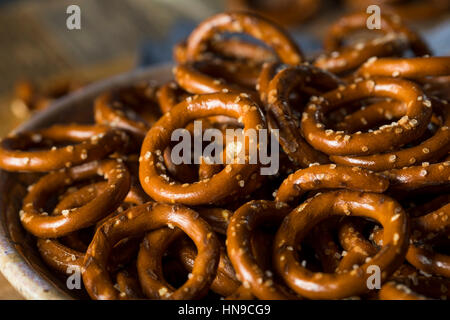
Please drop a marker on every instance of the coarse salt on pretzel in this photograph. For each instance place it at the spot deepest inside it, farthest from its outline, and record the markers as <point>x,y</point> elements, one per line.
<point>419,110</point>
<point>139,220</point>
<point>317,285</point>
<point>92,143</point>
<point>220,185</point>
<point>44,225</point>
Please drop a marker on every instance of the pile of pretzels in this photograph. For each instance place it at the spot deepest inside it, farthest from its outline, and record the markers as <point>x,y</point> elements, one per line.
<point>359,208</point>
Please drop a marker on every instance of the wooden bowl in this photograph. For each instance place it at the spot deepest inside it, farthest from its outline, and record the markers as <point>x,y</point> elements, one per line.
<point>20,261</point>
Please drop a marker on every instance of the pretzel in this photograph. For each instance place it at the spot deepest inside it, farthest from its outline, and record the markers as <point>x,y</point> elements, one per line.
<point>393,290</point>
<point>329,177</point>
<point>62,258</point>
<point>197,82</point>
<point>421,257</point>
<point>369,116</point>
<point>397,38</point>
<point>431,205</point>
<point>225,282</point>
<point>358,249</point>
<point>217,218</point>
<point>281,116</point>
<point>417,117</point>
<point>296,225</point>
<point>231,49</point>
<point>405,283</point>
<point>436,86</point>
<point>408,284</point>
<point>358,150</point>
<point>139,98</point>
<point>169,95</point>
<point>58,256</point>
<point>139,220</point>
<point>326,249</point>
<point>128,284</point>
<point>254,25</point>
<point>65,257</point>
<point>411,68</point>
<point>110,112</point>
<point>430,149</point>
<point>425,229</point>
<point>206,191</point>
<point>415,177</point>
<point>241,50</point>
<point>50,226</point>
<point>93,143</point>
<point>149,262</point>
<point>389,23</point>
<point>245,219</point>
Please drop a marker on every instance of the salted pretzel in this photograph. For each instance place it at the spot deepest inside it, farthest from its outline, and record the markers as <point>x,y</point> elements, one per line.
<point>225,282</point>
<point>322,177</point>
<point>248,218</point>
<point>357,248</point>
<point>110,112</point>
<point>139,220</point>
<point>200,75</point>
<point>220,185</point>
<point>234,48</point>
<point>425,230</point>
<point>281,116</point>
<point>405,284</point>
<point>169,95</point>
<point>64,257</point>
<point>431,149</point>
<point>255,26</point>
<point>417,117</point>
<point>231,50</point>
<point>197,82</point>
<point>397,38</point>
<point>362,180</point>
<point>149,262</point>
<point>420,176</point>
<point>409,284</point>
<point>91,143</point>
<point>331,286</point>
<point>329,177</point>
<point>422,257</point>
<point>410,68</point>
<point>41,224</point>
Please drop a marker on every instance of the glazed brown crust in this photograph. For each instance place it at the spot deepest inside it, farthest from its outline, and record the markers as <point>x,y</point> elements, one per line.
<point>256,26</point>
<point>335,143</point>
<point>91,143</point>
<point>333,286</point>
<point>220,185</point>
<point>139,220</point>
<point>50,226</point>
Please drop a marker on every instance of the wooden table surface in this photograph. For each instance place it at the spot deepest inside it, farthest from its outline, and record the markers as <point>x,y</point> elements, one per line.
<point>7,292</point>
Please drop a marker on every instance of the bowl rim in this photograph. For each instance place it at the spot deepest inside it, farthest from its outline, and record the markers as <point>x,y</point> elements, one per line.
<point>16,269</point>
